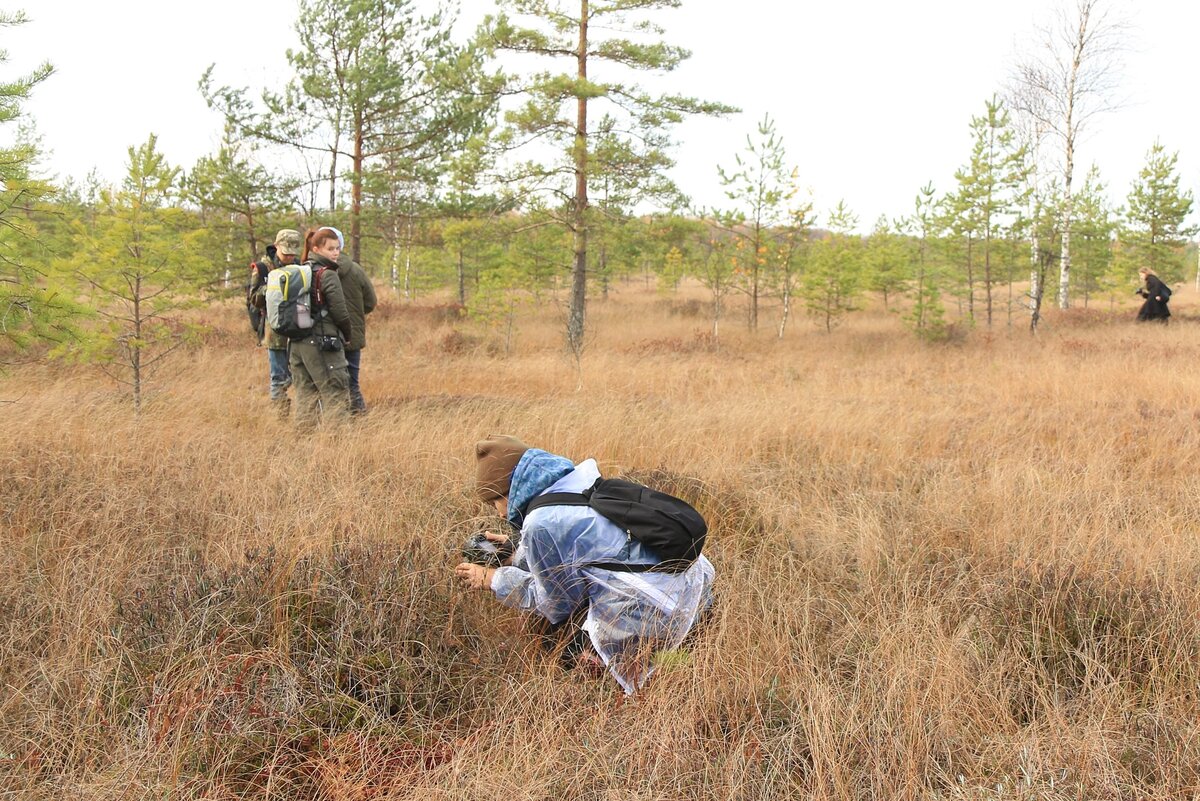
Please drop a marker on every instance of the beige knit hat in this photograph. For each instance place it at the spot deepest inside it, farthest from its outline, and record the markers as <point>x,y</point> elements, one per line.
<point>496,459</point>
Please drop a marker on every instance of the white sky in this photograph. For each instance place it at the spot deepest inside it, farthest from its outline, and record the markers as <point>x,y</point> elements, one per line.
<point>872,97</point>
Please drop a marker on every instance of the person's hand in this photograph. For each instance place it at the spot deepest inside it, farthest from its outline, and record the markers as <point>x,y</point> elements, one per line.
<point>475,577</point>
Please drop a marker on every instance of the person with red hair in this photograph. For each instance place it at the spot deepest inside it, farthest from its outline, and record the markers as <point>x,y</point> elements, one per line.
<point>318,361</point>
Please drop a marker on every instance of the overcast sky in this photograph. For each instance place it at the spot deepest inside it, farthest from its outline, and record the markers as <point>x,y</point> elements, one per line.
<point>872,99</point>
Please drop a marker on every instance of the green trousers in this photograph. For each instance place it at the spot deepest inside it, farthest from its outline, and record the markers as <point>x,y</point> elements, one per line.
<point>320,377</point>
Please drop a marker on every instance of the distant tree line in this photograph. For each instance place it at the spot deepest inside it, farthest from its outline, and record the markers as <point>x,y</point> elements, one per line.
<point>527,162</point>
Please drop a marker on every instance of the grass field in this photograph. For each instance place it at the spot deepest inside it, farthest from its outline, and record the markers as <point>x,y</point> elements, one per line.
<point>955,571</point>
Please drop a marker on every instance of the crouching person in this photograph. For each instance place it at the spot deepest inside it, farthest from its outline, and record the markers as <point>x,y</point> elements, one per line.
<point>574,564</point>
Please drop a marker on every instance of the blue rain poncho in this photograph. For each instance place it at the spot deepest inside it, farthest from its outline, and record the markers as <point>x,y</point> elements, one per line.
<point>629,614</point>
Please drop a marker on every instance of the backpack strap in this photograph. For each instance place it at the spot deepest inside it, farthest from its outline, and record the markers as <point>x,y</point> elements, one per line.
<point>558,499</point>
<point>624,567</point>
<point>582,499</point>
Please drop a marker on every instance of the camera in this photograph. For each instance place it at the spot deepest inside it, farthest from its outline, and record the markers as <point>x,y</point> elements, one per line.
<point>479,550</point>
<point>329,343</point>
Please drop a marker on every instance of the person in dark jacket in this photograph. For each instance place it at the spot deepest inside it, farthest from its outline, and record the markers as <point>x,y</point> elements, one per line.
<point>255,287</point>
<point>318,361</point>
<point>361,301</point>
<point>1157,295</point>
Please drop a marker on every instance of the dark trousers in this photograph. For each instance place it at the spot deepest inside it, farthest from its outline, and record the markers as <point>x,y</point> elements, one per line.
<point>354,362</point>
<point>566,640</point>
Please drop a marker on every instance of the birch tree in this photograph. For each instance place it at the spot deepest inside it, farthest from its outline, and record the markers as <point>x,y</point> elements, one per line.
<point>1069,79</point>
<point>714,265</point>
<point>789,258</point>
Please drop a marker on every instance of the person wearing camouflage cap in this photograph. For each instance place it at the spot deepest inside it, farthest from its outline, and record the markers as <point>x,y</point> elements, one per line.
<point>285,250</point>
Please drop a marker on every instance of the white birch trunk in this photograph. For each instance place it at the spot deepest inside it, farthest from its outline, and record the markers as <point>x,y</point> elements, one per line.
<point>787,305</point>
<point>396,254</point>
<point>408,260</point>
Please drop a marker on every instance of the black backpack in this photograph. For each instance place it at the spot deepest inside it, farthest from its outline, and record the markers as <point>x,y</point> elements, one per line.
<point>671,528</point>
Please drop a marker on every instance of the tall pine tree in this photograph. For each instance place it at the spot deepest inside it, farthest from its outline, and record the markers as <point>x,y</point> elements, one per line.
<point>32,306</point>
<point>377,85</point>
<point>1158,232</point>
<point>142,270</point>
<point>988,199</point>
<point>560,106</point>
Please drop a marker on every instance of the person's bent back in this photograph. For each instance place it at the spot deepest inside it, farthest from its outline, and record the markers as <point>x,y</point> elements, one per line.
<point>556,569</point>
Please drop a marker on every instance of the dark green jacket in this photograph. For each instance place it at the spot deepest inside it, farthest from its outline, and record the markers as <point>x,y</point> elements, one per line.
<point>333,314</point>
<point>360,299</point>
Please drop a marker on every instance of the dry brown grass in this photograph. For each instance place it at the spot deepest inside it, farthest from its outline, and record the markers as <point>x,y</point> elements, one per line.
<point>960,572</point>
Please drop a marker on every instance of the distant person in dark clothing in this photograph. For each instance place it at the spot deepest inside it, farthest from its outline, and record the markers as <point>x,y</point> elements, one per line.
<point>1157,295</point>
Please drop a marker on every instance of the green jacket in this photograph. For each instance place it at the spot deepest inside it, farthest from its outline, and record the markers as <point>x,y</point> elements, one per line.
<point>333,314</point>
<point>360,299</point>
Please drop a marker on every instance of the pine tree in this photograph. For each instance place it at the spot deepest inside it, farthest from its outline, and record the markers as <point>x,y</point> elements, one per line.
<point>559,105</point>
<point>473,244</point>
<point>33,305</point>
<point>886,261</point>
<point>1157,232</point>
<point>1095,226</point>
<point>240,201</point>
<point>378,85</point>
<point>142,269</point>
<point>472,212</point>
<point>926,316</point>
<point>766,217</point>
<point>988,199</point>
<point>834,278</point>
<point>958,218</point>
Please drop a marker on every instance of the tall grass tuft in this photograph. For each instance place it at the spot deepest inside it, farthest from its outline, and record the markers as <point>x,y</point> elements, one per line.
<point>945,571</point>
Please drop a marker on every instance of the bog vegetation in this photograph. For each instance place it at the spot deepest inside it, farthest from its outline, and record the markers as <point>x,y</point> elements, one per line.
<point>944,571</point>
<point>956,559</point>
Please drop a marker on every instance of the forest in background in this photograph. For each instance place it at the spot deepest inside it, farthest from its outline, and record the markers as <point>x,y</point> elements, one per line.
<point>527,162</point>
